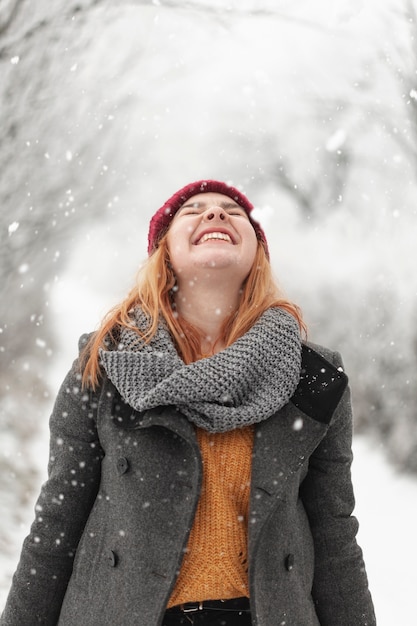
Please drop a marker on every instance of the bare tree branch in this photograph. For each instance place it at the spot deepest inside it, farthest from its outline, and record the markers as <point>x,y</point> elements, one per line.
<point>8,14</point>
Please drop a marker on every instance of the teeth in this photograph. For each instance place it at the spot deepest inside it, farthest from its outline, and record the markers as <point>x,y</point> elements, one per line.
<point>208,236</point>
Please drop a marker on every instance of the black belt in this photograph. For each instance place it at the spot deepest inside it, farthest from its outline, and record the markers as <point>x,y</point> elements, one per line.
<point>240,605</point>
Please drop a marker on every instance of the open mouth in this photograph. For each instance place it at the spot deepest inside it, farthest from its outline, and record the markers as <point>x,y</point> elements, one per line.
<point>217,236</point>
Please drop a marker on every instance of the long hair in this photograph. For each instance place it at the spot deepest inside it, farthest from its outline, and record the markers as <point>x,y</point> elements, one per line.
<point>153,292</point>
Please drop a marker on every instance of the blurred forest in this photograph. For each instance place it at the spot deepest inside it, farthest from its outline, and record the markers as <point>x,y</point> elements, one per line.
<point>108,108</point>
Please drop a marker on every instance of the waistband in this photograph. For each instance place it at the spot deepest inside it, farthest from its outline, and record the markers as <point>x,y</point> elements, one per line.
<point>240,605</point>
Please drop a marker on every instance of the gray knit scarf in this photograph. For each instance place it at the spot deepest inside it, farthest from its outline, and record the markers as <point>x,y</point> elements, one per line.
<point>241,385</point>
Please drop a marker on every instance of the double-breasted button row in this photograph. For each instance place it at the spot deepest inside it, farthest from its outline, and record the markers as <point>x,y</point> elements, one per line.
<point>122,465</point>
<point>289,562</point>
<point>111,558</point>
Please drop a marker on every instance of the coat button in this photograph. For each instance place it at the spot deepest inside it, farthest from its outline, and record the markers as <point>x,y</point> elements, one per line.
<point>289,562</point>
<point>111,558</point>
<point>122,465</point>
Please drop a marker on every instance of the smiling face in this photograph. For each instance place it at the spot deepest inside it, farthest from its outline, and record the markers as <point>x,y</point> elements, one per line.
<point>211,232</point>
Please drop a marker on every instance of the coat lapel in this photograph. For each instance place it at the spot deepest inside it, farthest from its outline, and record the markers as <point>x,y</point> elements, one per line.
<point>283,444</point>
<point>125,416</point>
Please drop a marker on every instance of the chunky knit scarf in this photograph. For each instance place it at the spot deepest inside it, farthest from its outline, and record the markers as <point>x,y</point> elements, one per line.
<point>241,385</point>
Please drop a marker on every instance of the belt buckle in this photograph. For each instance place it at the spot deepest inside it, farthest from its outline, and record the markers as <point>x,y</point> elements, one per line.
<point>193,609</point>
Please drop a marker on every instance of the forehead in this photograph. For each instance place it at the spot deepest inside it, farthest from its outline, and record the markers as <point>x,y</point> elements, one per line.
<point>210,198</point>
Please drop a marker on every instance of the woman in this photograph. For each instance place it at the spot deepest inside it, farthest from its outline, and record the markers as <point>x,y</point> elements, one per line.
<point>200,451</point>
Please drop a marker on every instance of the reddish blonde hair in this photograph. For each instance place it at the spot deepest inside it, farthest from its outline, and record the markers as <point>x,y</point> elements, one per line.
<point>153,293</point>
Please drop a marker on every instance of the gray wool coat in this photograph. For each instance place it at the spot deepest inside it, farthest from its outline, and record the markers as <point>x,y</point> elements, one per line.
<point>113,518</point>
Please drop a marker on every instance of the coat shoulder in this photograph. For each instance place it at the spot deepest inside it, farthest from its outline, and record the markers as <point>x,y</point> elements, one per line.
<point>84,341</point>
<point>330,355</point>
<point>322,382</point>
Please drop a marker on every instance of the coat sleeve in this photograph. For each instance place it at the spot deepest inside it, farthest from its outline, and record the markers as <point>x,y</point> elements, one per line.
<point>340,589</point>
<point>61,511</point>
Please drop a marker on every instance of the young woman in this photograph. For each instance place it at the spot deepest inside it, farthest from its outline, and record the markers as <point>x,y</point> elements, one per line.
<point>200,450</point>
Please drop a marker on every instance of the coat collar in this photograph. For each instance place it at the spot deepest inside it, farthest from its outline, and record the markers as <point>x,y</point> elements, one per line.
<point>125,416</point>
<point>283,442</point>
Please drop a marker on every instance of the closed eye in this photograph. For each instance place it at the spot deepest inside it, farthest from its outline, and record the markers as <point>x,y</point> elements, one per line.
<point>191,209</point>
<point>239,212</point>
<point>199,207</point>
<point>191,212</point>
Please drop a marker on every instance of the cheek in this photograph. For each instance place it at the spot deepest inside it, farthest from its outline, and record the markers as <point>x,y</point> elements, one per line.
<point>174,249</point>
<point>179,232</point>
<point>251,244</point>
<point>250,255</point>
<point>177,249</point>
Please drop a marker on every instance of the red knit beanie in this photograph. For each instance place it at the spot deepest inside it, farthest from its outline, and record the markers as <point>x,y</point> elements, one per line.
<point>160,222</point>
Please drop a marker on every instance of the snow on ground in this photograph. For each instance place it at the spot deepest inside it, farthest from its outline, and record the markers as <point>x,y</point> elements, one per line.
<point>386,506</point>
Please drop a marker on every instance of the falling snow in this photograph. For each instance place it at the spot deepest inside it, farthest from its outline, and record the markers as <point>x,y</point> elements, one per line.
<point>314,117</point>
<point>13,227</point>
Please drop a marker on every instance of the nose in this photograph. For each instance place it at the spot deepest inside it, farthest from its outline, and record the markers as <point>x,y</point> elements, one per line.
<point>213,212</point>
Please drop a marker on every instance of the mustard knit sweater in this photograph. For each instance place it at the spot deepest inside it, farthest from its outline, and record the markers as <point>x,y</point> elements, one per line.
<point>215,564</point>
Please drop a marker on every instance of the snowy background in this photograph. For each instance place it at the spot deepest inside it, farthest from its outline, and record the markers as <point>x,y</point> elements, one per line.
<point>311,109</point>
